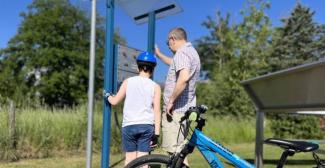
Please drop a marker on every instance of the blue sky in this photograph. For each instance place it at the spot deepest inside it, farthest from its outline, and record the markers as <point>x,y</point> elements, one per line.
<point>194,13</point>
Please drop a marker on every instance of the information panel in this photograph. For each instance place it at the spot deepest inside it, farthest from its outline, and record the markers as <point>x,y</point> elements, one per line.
<point>127,65</point>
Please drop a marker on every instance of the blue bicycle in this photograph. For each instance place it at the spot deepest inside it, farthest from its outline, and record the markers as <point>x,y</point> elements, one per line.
<point>208,148</point>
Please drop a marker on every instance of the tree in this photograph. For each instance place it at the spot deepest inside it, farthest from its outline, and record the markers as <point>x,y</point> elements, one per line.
<point>320,42</point>
<point>217,48</point>
<point>47,59</point>
<point>299,41</point>
<point>232,53</point>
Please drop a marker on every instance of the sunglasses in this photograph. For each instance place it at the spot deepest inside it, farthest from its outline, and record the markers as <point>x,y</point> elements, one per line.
<point>167,42</point>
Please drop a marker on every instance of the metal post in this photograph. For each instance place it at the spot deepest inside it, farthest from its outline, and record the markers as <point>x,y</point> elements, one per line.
<point>259,139</point>
<point>108,81</point>
<point>90,107</point>
<point>151,31</point>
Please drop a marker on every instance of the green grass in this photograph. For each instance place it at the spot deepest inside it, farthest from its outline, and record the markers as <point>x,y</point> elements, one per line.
<point>72,161</point>
<point>230,130</point>
<point>51,138</point>
<point>42,132</point>
<point>271,156</point>
<point>245,150</point>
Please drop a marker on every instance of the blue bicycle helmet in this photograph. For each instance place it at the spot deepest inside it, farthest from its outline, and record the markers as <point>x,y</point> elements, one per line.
<point>148,58</point>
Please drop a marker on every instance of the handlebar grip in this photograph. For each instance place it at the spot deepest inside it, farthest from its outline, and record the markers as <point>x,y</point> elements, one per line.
<point>193,116</point>
<point>194,112</point>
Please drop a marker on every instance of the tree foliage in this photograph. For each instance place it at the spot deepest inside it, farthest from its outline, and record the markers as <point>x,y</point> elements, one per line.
<point>235,52</point>
<point>48,59</point>
<point>232,53</point>
<point>299,41</point>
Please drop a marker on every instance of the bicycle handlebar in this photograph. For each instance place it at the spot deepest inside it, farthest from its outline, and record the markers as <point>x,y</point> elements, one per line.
<point>193,113</point>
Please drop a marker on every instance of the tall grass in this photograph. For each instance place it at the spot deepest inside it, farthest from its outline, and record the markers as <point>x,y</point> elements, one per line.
<point>232,130</point>
<point>45,132</point>
<point>5,150</point>
<point>42,132</point>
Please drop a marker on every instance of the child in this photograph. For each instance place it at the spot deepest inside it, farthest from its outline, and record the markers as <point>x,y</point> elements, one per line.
<point>141,112</point>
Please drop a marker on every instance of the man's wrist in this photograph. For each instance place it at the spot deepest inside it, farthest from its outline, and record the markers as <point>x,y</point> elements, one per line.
<point>158,54</point>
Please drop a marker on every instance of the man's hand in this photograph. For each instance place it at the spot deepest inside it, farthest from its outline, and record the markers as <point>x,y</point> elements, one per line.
<point>157,50</point>
<point>169,108</point>
<point>154,141</point>
<point>161,56</point>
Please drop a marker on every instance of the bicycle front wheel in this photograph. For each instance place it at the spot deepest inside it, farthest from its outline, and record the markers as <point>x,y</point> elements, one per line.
<point>150,161</point>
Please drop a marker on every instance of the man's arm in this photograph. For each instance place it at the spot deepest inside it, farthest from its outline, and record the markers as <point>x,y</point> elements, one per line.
<point>182,81</point>
<point>114,100</point>
<point>167,60</point>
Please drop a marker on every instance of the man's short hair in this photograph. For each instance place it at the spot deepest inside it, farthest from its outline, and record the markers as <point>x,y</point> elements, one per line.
<point>178,33</point>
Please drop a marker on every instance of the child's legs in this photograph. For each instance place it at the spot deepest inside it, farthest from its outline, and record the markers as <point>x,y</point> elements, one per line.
<point>143,144</point>
<point>129,156</point>
<point>129,143</point>
<point>139,154</point>
<point>136,140</point>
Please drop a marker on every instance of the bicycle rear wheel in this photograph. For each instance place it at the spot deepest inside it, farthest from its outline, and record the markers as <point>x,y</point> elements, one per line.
<point>151,161</point>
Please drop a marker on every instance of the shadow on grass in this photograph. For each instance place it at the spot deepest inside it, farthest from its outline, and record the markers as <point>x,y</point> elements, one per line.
<point>116,164</point>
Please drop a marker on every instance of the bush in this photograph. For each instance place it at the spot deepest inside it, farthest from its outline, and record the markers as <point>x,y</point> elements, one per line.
<point>296,127</point>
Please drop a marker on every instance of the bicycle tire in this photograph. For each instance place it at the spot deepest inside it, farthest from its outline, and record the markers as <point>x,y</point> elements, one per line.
<point>152,161</point>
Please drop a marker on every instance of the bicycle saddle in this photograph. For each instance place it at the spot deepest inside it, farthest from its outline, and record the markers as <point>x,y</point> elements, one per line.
<point>297,146</point>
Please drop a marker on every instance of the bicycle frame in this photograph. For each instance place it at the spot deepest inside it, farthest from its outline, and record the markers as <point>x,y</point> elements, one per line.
<point>208,148</point>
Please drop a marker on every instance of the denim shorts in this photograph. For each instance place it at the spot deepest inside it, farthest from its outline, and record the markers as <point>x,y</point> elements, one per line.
<point>137,137</point>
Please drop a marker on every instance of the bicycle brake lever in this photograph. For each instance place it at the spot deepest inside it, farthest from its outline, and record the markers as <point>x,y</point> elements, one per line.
<point>182,119</point>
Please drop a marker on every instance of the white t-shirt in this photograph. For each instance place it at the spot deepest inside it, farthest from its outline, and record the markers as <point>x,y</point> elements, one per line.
<point>138,104</point>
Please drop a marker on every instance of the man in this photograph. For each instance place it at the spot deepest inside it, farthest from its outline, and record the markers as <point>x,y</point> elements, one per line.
<point>179,92</point>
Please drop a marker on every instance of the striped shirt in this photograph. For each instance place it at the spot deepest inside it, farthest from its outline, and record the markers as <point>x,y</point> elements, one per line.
<point>185,57</point>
